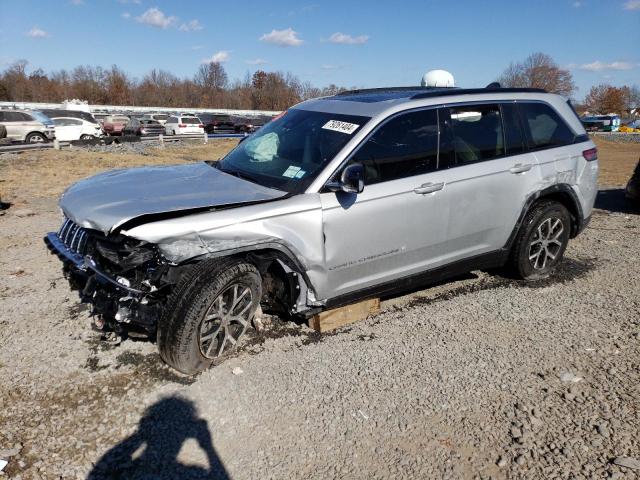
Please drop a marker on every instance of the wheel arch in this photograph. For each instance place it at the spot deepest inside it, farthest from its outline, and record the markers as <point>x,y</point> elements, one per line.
<point>38,132</point>
<point>279,267</point>
<point>561,193</point>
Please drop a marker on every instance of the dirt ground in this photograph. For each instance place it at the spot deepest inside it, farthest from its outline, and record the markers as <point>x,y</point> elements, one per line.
<point>480,377</point>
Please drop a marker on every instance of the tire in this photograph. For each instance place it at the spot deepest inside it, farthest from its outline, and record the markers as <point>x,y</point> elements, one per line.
<point>35,137</point>
<point>184,326</point>
<point>3,131</point>
<point>541,241</point>
<point>86,137</point>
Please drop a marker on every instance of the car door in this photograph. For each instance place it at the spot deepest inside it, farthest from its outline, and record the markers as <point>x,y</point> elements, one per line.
<point>396,227</point>
<point>68,129</point>
<point>489,178</point>
<point>15,124</point>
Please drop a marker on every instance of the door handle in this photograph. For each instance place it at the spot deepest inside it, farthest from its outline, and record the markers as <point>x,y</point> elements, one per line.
<point>520,168</point>
<point>429,188</point>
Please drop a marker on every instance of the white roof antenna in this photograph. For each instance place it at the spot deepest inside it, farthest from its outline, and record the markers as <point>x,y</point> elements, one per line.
<point>437,78</point>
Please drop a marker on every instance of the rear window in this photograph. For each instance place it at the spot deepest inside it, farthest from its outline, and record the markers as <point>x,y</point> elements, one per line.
<point>119,119</point>
<point>191,120</point>
<point>161,117</point>
<point>544,127</point>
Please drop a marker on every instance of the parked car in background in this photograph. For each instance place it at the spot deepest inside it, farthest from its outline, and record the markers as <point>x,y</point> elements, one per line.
<point>69,129</point>
<point>114,124</point>
<point>244,125</point>
<point>601,123</point>
<point>632,192</point>
<point>63,113</point>
<point>217,123</point>
<point>158,117</point>
<point>29,126</point>
<point>143,126</point>
<point>183,125</point>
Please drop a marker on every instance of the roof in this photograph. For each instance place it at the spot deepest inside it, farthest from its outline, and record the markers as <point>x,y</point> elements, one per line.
<point>372,101</point>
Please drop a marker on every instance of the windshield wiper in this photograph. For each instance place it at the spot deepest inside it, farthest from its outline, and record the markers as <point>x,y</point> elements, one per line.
<point>238,174</point>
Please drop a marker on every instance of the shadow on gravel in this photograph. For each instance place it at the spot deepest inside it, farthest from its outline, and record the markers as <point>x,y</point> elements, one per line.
<point>613,200</point>
<point>570,269</point>
<point>152,451</point>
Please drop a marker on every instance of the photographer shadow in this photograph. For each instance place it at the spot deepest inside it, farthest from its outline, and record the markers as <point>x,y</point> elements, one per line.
<point>152,451</point>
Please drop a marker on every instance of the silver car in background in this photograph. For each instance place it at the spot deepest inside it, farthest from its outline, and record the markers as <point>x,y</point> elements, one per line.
<point>338,199</point>
<point>29,126</point>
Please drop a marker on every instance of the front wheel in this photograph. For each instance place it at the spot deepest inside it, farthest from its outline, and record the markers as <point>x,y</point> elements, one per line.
<point>207,314</point>
<point>35,137</point>
<point>86,137</point>
<point>541,242</point>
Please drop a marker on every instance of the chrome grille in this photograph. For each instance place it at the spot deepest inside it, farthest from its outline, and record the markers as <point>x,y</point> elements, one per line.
<point>74,237</point>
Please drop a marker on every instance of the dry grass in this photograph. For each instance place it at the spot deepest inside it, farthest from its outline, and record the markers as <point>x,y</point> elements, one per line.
<point>47,173</point>
<point>617,161</point>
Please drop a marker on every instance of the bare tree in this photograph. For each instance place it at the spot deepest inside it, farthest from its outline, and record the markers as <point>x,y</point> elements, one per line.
<point>211,76</point>
<point>539,70</point>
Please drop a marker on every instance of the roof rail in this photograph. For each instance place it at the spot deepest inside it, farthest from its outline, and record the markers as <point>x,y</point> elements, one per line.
<point>359,91</point>
<point>442,92</point>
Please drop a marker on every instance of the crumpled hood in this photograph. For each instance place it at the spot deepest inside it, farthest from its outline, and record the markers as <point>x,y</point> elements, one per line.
<point>107,200</point>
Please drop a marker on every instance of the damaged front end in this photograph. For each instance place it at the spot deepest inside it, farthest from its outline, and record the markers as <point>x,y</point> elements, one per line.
<point>125,280</point>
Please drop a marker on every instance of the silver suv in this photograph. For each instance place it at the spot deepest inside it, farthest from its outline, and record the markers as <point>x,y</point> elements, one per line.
<point>29,126</point>
<point>337,199</point>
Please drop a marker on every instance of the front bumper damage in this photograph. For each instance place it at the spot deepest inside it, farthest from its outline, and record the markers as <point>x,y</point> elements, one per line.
<point>115,303</point>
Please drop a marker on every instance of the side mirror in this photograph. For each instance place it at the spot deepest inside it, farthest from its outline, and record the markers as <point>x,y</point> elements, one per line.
<point>351,180</point>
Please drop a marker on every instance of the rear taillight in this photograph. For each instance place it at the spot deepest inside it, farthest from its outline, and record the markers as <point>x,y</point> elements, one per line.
<point>182,125</point>
<point>590,155</point>
<point>200,126</point>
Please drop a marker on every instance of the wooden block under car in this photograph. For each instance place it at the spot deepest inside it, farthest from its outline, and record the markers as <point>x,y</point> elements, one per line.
<point>338,317</point>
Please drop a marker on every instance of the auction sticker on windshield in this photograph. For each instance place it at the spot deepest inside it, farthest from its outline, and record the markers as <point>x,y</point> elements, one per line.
<point>343,127</point>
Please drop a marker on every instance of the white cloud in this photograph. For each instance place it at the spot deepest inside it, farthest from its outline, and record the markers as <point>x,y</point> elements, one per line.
<point>126,15</point>
<point>282,38</point>
<point>599,66</point>
<point>345,39</point>
<point>218,57</point>
<point>330,67</point>
<point>77,2</point>
<point>156,18</point>
<point>577,4</point>
<point>632,5</point>
<point>257,61</point>
<point>36,32</point>
<point>191,26</point>
<point>197,47</point>
<point>137,2</point>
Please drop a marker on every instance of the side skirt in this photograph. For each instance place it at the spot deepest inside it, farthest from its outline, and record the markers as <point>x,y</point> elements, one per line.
<point>487,260</point>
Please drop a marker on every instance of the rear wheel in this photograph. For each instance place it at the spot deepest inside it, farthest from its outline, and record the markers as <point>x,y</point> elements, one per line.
<point>541,242</point>
<point>207,314</point>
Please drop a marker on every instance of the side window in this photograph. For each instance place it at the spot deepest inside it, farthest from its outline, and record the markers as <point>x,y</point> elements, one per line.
<point>26,117</point>
<point>13,117</point>
<point>3,117</point>
<point>545,128</point>
<point>513,137</point>
<point>477,133</point>
<point>73,121</point>
<point>405,146</point>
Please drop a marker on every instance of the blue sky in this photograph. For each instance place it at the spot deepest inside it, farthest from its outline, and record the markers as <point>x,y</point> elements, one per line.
<point>350,43</point>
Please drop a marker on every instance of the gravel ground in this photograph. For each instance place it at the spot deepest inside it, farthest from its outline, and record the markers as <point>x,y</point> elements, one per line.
<point>481,377</point>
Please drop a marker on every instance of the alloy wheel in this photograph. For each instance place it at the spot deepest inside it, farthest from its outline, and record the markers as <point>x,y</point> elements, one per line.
<point>546,243</point>
<point>225,321</point>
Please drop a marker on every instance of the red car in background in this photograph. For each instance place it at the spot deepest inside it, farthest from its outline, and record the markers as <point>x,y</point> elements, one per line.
<point>114,124</point>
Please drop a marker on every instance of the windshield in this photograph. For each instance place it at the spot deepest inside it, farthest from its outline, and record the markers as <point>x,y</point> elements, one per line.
<point>289,152</point>
<point>41,117</point>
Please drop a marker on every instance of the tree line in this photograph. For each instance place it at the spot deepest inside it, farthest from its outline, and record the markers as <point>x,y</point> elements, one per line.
<point>211,87</point>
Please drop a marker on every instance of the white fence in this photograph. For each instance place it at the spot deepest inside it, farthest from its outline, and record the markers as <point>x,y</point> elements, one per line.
<point>130,108</point>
